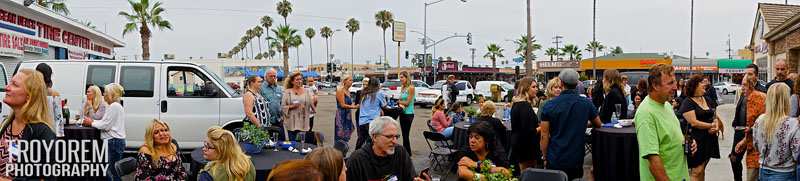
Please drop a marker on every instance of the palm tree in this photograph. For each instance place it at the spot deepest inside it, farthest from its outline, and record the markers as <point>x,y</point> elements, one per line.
<point>258,31</point>
<point>326,33</point>
<point>594,46</point>
<point>244,42</point>
<point>384,19</point>
<point>266,23</point>
<point>493,52</point>
<point>142,18</point>
<point>57,6</point>
<point>570,50</point>
<point>616,51</point>
<point>284,9</point>
<point>297,40</point>
<point>250,34</point>
<point>353,26</point>
<point>522,46</point>
<point>284,38</point>
<point>552,52</point>
<point>310,33</point>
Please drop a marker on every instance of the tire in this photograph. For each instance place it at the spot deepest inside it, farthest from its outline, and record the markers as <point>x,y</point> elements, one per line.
<point>469,99</point>
<point>724,91</point>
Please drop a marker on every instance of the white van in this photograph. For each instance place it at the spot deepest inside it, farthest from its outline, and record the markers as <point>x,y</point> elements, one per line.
<point>483,88</point>
<point>187,96</point>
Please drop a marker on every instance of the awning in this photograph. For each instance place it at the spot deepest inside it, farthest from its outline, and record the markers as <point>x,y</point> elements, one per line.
<point>733,66</point>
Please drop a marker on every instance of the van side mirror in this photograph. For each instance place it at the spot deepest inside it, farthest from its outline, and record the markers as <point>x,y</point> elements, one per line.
<point>212,93</point>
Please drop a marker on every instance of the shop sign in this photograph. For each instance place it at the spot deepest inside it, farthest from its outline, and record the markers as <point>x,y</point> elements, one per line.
<point>557,64</point>
<point>696,68</point>
<point>76,55</point>
<point>11,46</point>
<point>732,71</point>
<point>35,46</point>
<point>448,66</point>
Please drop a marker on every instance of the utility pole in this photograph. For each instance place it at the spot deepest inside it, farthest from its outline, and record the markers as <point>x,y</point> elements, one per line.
<point>473,56</point>
<point>594,38</point>
<point>558,40</point>
<point>528,48</point>
<point>691,41</point>
<point>730,51</point>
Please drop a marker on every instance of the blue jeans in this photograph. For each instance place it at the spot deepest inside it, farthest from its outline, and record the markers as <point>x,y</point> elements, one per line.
<point>116,147</point>
<point>769,175</point>
<point>448,132</point>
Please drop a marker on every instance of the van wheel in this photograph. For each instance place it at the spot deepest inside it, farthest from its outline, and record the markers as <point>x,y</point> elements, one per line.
<point>469,99</point>
<point>724,91</point>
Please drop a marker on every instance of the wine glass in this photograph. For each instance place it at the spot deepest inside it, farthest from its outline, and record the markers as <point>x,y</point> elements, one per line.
<point>618,110</point>
<point>302,137</point>
<point>275,141</point>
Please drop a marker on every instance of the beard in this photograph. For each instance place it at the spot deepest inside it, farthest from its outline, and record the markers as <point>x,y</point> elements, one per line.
<point>390,151</point>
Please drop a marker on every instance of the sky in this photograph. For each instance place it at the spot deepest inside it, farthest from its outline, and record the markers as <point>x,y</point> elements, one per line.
<point>202,28</point>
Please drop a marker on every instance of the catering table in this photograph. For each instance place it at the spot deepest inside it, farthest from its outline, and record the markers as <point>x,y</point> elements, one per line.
<point>615,154</point>
<point>263,161</point>
<point>75,132</point>
<point>461,136</point>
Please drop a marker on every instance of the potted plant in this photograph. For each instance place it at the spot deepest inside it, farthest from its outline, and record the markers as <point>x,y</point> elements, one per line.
<point>252,138</point>
<point>472,113</point>
<point>490,176</point>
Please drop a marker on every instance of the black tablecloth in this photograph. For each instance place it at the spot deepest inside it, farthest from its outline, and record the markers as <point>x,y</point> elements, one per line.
<point>74,132</point>
<point>263,161</point>
<point>615,154</point>
<point>461,136</point>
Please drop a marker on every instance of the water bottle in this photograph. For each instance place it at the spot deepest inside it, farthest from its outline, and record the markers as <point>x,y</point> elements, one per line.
<point>614,118</point>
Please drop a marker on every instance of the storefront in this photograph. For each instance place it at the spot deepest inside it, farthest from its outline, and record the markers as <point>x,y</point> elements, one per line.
<point>32,32</point>
<point>551,69</point>
<point>732,70</point>
<point>706,66</point>
<point>775,37</point>
<point>625,62</point>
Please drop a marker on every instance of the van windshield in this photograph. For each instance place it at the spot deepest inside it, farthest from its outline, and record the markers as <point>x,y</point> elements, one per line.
<point>222,83</point>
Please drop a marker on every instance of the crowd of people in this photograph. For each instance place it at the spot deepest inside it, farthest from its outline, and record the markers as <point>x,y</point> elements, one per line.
<point>676,121</point>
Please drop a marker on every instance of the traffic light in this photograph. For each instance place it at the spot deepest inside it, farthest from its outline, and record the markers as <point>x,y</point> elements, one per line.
<point>406,54</point>
<point>469,38</point>
<point>329,67</point>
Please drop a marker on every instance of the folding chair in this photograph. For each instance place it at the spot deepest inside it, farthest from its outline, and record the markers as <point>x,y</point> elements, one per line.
<point>535,174</point>
<point>126,166</point>
<point>438,153</point>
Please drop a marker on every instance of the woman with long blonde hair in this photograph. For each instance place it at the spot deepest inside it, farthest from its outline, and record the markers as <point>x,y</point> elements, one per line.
<point>343,122</point>
<point>614,93</point>
<point>776,137</point>
<point>524,138</point>
<point>29,120</point>
<point>158,157</point>
<point>296,103</point>
<point>112,125</point>
<point>227,161</point>
<point>95,107</point>
<point>406,102</point>
<point>330,162</point>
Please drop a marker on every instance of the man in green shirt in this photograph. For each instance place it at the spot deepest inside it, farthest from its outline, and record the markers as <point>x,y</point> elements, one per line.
<point>658,130</point>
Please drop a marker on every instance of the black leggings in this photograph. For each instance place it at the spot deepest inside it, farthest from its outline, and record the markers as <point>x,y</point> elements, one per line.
<point>736,158</point>
<point>363,135</point>
<point>405,126</point>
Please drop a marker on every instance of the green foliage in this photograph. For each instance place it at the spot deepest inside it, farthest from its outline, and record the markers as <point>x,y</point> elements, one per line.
<point>471,111</point>
<point>489,176</point>
<point>583,77</point>
<point>252,134</point>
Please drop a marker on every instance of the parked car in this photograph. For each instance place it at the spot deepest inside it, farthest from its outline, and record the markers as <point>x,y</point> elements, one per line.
<point>483,88</point>
<point>169,91</point>
<point>726,87</point>
<point>357,86</point>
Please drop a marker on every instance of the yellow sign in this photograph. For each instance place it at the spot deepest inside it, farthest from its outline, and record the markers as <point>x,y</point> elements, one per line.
<point>635,63</point>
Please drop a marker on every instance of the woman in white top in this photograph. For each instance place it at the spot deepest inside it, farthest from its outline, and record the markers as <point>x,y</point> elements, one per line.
<point>95,106</point>
<point>112,126</point>
<point>776,137</point>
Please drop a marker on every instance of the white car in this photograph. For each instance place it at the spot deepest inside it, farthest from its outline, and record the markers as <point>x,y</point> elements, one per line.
<point>392,88</point>
<point>465,91</point>
<point>483,88</point>
<point>726,87</point>
<point>357,86</point>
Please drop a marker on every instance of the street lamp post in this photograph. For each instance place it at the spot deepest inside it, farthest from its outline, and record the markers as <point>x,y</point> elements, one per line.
<point>425,33</point>
<point>691,40</point>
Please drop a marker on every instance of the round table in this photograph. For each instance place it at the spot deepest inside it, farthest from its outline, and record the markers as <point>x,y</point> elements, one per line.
<point>263,161</point>
<point>615,154</point>
<point>461,136</point>
<point>75,132</point>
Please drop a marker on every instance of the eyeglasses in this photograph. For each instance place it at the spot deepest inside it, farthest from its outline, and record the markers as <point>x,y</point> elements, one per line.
<point>392,137</point>
<point>208,146</point>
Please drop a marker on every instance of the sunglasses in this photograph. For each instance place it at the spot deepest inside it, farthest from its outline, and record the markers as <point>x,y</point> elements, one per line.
<point>208,146</point>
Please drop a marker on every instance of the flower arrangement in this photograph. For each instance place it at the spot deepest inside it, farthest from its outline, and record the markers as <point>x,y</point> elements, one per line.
<point>252,134</point>
<point>485,171</point>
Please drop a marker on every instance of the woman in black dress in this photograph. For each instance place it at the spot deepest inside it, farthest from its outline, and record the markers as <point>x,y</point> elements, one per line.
<point>524,136</point>
<point>705,126</point>
<point>614,95</point>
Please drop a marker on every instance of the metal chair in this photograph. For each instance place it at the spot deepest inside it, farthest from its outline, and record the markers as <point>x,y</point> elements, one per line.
<point>439,154</point>
<point>535,174</point>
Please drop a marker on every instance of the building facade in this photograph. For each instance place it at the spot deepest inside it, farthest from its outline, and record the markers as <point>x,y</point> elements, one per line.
<point>775,37</point>
<point>33,32</point>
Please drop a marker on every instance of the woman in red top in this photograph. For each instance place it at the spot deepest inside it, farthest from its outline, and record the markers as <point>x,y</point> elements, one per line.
<point>439,121</point>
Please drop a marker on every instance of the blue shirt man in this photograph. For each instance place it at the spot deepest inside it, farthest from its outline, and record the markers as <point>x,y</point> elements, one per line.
<point>273,92</point>
<point>563,127</point>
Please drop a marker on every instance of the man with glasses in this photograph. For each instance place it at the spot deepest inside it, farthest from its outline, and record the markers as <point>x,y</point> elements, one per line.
<point>272,92</point>
<point>380,159</point>
<point>781,76</point>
